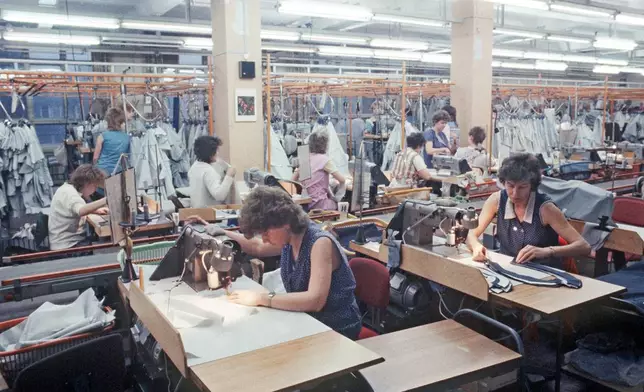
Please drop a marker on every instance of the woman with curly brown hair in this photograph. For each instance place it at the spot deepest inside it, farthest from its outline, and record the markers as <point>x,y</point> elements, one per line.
<point>314,270</point>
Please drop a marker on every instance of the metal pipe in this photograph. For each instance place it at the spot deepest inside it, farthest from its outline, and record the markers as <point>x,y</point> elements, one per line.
<point>211,99</point>
<point>403,105</point>
<point>269,127</point>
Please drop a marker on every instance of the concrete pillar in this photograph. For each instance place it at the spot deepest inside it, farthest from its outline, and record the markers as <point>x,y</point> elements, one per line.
<point>236,37</point>
<point>471,70</point>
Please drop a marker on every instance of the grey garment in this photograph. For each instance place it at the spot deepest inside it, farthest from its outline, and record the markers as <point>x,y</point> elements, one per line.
<point>357,133</point>
<point>151,162</point>
<point>595,237</point>
<point>634,131</point>
<point>623,367</point>
<point>577,199</point>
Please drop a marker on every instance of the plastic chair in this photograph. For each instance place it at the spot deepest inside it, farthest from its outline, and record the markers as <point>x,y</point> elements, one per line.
<point>97,366</point>
<point>372,289</point>
<point>630,211</point>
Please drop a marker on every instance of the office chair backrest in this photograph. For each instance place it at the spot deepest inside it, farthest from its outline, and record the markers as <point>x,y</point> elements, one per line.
<point>96,366</point>
<point>628,210</point>
<point>372,282</point>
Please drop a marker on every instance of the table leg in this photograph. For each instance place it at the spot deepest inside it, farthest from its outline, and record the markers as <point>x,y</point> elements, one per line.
<point>601,262</point>
<point>559,359</point>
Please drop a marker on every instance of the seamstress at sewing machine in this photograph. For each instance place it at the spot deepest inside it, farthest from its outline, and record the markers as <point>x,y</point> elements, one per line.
<point>529,224</point>
<point>409,167</point>
<point>317,187</point>
<point>69,208</point>
<point>208,187</point>
<point>474,153</point>
<point>314,269</point>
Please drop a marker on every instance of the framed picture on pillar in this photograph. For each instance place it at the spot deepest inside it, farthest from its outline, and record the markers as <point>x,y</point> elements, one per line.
<point>246,99</point>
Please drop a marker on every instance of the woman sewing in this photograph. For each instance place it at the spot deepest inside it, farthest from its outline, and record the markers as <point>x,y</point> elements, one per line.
<point>208,185</point>
<point>529,224</point>
<point>314,270</point>
<point>436,141</point>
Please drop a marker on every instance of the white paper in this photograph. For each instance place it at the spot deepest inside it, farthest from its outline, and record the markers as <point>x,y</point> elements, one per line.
<point>305,162</point>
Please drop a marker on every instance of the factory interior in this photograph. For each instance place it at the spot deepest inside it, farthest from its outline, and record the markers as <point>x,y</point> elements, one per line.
<point>321,195</point>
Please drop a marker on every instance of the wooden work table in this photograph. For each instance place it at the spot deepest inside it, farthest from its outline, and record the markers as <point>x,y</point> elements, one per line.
<point>467,279</point>
<point>435,357</point>
<point>101,226</point>
<point>288,351</point>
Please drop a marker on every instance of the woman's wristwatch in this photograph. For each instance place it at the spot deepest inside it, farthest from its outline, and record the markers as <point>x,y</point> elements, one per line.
<point>270,299</point>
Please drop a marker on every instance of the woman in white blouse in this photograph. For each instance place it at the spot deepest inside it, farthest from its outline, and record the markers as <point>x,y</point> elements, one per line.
<point>208,187</point>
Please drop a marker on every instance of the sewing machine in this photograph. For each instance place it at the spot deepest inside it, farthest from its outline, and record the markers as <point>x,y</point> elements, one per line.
<point>447,166</point>
<point>202,261</point>
<point>254,177</point>
<point>635,148</point>
<point>417,220</point>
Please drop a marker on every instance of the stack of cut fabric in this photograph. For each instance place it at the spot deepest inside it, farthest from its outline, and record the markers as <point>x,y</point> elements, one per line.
<point>27,184</point>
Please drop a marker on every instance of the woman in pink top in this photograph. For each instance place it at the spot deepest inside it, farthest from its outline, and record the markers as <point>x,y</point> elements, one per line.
<point>322,166</point>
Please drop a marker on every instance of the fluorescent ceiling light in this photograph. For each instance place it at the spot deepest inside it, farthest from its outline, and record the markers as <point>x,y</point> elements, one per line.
<point>543,56</point>
<point>561,38</point>
<point>579,10</point>
<point>615,43</point>
<point>517,65</point>
<point>191,72</point>
<point>507,53</point>
<point>322,9</point>
<point>397,55</point>
<point>279,35</point>
<point>198,43</point>
<point>580,59</point>
<point>615,62</point>
<point>551,66</point>
<point>632,70</point>
<point>46,69</point>
<point>355,26</point>
<point>168,27</point>
<point>398,44</point>
<point>60,19</point>
<point>407,20</point>
<point>47,3</point>
<point>277,48</point>
<point>135,40</point>
<point>535,4</point>
<point>605,69</point>
<point>56,39</point>
<point>630,19</point>
<point>515,33</point>
<point>338,39</point>
<point>344,51</point>
<point>437,58</point>
<point>496,64</point>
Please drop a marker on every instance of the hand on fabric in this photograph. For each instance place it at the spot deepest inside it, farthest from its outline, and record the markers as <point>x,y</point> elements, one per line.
<point>102,211</point>
<point>446,151</point>
<point>247,298</point>
<point>532,252</point>
<point>196,219</point>
<point>479,253</point>
<point>214,230</point>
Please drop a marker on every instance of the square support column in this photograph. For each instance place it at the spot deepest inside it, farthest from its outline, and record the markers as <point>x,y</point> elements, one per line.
<point>471,70</point>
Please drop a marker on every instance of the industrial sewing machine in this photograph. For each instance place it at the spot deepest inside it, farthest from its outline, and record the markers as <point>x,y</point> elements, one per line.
<point>446,165</point>
<point>417,221</point>
<point>201,260</point>
<point>254,177</point>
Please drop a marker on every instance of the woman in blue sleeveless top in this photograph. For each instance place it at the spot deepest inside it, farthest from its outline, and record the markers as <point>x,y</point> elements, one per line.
<point>436,142</point>
<point>529,224</point>
<point>315,271</point>
<point>112,143</point>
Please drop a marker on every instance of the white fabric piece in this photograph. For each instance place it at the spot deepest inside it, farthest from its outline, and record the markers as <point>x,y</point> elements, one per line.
<point>272,281</point>
<point>335,150</point>
<point>280,165</point>
<point>51,321</point>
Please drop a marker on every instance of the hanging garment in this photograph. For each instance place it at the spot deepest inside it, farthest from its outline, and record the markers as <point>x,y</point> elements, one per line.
<point>335,150</point>
<point>280,164</point>
<point>393,144</point>
<point>151,163</point>
<point>179,159</point>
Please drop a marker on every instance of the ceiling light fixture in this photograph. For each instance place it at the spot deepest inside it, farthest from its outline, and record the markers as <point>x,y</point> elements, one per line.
<point>517,65</point>
<point>534,4</point>
<point>580,59</point>
<point>322,9</point>
<point>168,27</point>
<point>437,58</point>
<point>60,19</point>
<point>515,33</point>
<point>543,56</point>
<point>632,70</point>
<point>342,51</point>
<point>496,64</point>
<point>277,48</point>
<point>507,53</point>
<point>198,43</point>
<point>561,38</point>
<point>52,39</point>
<point>550,66</point>
<point>630,19</point>
<point>135,40</point>
<point>615,43</point>
<point>398,44</point>
<point>579,10</point>
<point>338,39</point>
<point>397,55</point>
<point>615,62</point>
<point>407,20</point>
<point>604,69</point>
<point>280,35</point>
<point>354,26</point>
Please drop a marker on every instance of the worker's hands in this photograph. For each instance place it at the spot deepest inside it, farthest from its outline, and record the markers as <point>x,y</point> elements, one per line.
<point>479,253</point>
<point>102,211</point>
<point>248,298</point>
<point>196,219</point>
<point>214,230</point>
<point>446,150</point>
<point>231,172</point>
<point>532,252</point>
